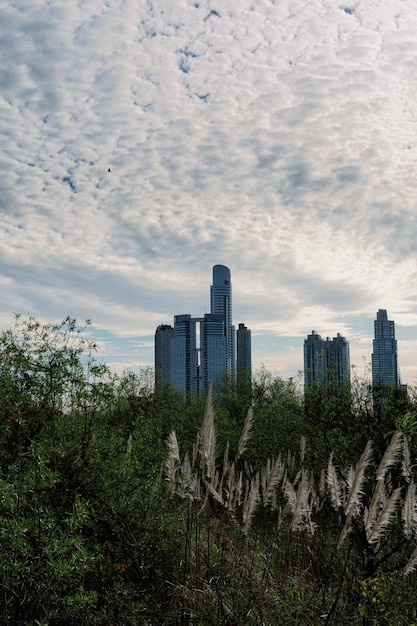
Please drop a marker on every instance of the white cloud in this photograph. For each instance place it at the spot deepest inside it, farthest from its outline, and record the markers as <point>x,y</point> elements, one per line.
<point>275,137</point>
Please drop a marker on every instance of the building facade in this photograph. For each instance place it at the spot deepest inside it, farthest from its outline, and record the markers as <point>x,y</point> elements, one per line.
<point>163,336</point>
<point>184,355</point>
<point>326,361</point>
<point>213,349</point>
<point>385,372</point>
<point>221,304</point>
<point>244,355</point>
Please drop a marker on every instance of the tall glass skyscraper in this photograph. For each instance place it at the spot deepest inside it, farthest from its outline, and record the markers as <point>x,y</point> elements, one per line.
<point>385,370</point>
<point>221,304</point>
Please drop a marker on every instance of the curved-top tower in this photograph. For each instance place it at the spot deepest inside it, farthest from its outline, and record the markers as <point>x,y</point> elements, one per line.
<point>221,304</point>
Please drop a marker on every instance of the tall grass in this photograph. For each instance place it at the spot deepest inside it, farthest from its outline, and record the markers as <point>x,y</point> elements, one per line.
<point>261,547</point>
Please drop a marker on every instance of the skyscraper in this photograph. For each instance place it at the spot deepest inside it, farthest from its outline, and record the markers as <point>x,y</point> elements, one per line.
<point>338,360</point>
<point>163,336</point>
<point>184,355</point>
<point>221,304</point>
<point>385,372</point>
<point>213,349</point>
<point>326,361</point>
<point>315,362</point>
<point>244,355</point>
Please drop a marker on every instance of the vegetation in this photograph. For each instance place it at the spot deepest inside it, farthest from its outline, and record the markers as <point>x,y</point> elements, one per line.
<point>122,506</point>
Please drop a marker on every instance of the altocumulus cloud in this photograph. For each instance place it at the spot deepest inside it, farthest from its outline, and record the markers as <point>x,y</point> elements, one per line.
<point>143,142</point>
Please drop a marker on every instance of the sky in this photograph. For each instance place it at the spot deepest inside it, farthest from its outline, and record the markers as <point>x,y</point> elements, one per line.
<point>144,141</point>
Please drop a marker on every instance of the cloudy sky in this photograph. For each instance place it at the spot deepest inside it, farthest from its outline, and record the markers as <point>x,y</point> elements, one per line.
<point>144,141</point>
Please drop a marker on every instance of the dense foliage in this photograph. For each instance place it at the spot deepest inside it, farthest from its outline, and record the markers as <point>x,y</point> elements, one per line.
<point>272,508</point>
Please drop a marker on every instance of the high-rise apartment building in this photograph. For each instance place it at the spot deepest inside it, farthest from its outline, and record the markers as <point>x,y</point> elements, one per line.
<point>326,361</point>
<point>244,355</point>
<point>163,335</point>
<point>385,372</point>
<point>338,360</point>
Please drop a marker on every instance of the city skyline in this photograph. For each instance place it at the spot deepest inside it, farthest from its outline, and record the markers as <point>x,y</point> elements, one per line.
<point>276,139</point>
<point>198,351</point>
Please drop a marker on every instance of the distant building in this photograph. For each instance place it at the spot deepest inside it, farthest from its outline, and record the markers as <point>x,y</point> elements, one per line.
<point>384,354</point>
<point>163,336</point>
<point>338,360</point>
<point>326,361</point>
<point>244,355</point>
<point>184,356</point>
<point>388,391</point>
<point>221,304</point>
<point>213,349</point>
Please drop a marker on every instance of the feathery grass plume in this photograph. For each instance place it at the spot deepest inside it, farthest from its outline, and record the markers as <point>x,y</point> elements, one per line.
<point>297,477</point>
<point>384,518</point>
<point>271,476</point>
<point>230,487</point>
<point>186,487</point>
<point>333,484</point>
<point>290,494</point>
<point>173,459</point>
<point>251,501</point>
<point>409,511</point>
<point>377,503</point>
<point>216,495</point>
<point>290,459</point>
<point>406,468</point>
<point>208,439</point>
<point>411,564</point>
<point>303,445</point>
<point>390,455</point>
<point>350,478</point>
<point>302,510</point>
<point>282,514</point>
<point>315,501</point>
<point>238,495</point>
<point>353,504</point>
<point>247,427</point>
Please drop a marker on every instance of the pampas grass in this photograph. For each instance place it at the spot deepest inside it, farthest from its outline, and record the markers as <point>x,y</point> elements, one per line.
<point>219,484</point>
<point>247,427</point>
<point>354,504</point>
<point>271,476</point>
<point>333,484</point>
<point>409,512</point>
<point>173,458</point>
<point>391,455</point>
<point>384,519</point>
<point>411,564</point>
<point>250,503</point>
<point>208,439</point>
